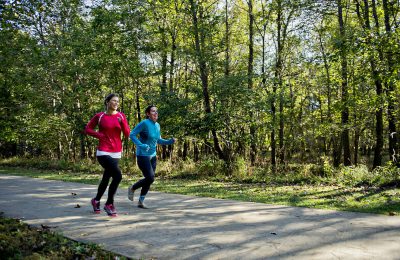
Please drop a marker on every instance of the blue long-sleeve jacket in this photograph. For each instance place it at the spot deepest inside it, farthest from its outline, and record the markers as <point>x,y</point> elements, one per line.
<point>149,136</point>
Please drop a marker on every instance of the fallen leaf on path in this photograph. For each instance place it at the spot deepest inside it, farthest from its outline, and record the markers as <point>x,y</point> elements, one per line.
<point>47,227</point>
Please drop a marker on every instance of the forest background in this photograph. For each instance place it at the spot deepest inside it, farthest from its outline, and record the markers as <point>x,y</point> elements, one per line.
<point>248,88</point>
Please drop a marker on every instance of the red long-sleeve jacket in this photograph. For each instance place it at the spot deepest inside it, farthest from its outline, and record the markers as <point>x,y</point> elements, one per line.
<point>109,133</point>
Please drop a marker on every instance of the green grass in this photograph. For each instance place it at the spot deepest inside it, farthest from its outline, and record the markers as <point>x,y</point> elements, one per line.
<point>362,199</point>
<point>323,196</point>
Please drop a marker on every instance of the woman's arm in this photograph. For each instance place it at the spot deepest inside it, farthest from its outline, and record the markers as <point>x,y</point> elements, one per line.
<point>165,141</point>
<point>124,125</point>
<point>89,128</point>
<point>133,135</point>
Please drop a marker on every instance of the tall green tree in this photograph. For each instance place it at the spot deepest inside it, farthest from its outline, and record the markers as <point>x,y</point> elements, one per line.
<point>197,13</point>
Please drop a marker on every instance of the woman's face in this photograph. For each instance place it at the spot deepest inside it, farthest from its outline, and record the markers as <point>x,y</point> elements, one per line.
<point>113,104</point>
<point>153,115</point>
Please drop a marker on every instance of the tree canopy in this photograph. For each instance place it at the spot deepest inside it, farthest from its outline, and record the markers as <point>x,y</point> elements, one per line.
<point>268,81</point>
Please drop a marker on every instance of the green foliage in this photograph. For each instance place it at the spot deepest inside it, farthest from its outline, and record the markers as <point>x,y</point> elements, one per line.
<point>55,165</point>
<point>20,241</point>
<point>386,176</point>
<point>210,167</point>
<point>352,176</point>
<point>59,59</point>
<point>240,171</point>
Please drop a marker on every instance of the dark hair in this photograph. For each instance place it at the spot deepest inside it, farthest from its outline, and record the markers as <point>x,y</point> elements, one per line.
<point>148,109</point>
<point>108,98</point>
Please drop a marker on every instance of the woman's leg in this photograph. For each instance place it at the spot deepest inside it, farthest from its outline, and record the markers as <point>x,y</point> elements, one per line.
<point>150,178</point>
<point>111,167</point>
<point>145,164</point>
<point>153,162</point>
<point>105,179</point>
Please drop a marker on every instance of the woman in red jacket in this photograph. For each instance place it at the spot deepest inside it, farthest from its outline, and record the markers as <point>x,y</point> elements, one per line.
<point>110,125</point>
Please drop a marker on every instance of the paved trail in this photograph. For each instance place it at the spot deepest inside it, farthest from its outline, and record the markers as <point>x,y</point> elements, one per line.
<point>187,227</point>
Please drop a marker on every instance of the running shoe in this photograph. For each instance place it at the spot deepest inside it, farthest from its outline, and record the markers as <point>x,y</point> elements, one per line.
<point>131,193</point>
<point>96,206</point>
<point>110,209</point>
<point>142,205</point>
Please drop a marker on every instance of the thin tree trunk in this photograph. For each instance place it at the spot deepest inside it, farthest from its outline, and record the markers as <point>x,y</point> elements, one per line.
<point>282,26</point>
<point>164,70</point>
<point>390,93</point>
<point>277,75</point>
<point>263,65</point>
<point>185,149</point>
<point>336,145</point>
<point>225,103</point>
<point>195,151</point>
<point>345,109</point>
<point>378,86</point>
<point>253,147</point>
<point>137,99</point>
<point>168,149</point>
<point>163,87</point>
<point>281,128</point>
<point>227,42</point>
<point>172,63</point>
<point>356,145</point>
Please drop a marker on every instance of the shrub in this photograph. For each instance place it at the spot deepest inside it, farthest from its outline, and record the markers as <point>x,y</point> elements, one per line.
<point>388,175</point>
<point>238,170</point>
<point>210,167</point>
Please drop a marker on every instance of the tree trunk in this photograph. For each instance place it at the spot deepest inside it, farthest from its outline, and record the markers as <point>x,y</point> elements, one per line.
<point>195,151</point>
<point>278,69</point>
<point>185,149</point>
<point>137,92</point>
<point>281,129</point>
<point>163,87</point>
<point>277,75</point>
<point>172,63</point>
<point>253,147</point>
<point>227,42</point>
<point>228,149</point>
<point>263,65</point>
<point>390,93</point>
<point>137,99</point>
<point>345,109</point>
<point>332,140</point>
<point>356,145</point>
<point>378,86</point>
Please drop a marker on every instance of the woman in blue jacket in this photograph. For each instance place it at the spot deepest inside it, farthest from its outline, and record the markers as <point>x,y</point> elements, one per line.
<point>149,134</point>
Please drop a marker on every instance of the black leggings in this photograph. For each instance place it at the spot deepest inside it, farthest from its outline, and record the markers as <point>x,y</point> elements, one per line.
<point>111,170</point>
<point>147,165</point>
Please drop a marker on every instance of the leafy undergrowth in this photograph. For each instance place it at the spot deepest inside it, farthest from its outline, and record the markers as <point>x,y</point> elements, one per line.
<point>21,241</point>
<point>357,199</point>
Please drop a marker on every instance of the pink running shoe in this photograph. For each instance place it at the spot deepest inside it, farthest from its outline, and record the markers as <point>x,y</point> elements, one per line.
<point>96,206</point>
<point>110,209</point>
